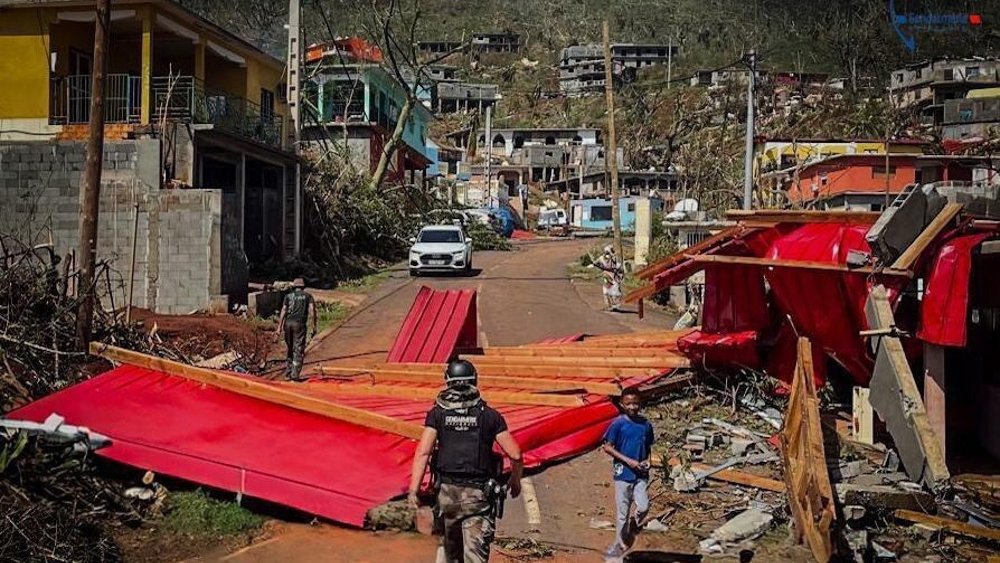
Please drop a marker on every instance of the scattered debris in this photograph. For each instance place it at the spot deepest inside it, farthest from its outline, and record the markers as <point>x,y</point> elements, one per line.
<point>949,525</point>
<point>746,525</point>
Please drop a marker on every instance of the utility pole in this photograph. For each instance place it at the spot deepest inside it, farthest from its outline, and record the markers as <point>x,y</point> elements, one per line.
<point>670,59</point>
<point>293,90</point>
<point>751,60</point>
<point>90,196</point>
<point>489,155</point>
<point>611,162</point>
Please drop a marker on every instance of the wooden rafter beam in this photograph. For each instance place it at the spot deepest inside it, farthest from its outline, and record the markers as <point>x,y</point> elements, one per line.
<point>666,336</point>
<point>539,370</point>
<point>428,393</point>
<point>569,361</point>
<point>386,375</point>
<point>581,352</point>
<point>909,257</point>
<point>803,216</point>
<point>670,261</point>
<point>798,264</point>
<point>287,396</point>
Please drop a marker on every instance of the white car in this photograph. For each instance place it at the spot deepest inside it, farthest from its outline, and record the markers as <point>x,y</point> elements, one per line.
<point>440,248</point>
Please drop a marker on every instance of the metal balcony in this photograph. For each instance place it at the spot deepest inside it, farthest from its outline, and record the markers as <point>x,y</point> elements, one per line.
<point>69,99</point>
<point>186,98</point>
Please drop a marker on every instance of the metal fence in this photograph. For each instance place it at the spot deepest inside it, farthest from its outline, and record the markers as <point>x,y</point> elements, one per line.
<point>187,98</point>
<point>69,99</point>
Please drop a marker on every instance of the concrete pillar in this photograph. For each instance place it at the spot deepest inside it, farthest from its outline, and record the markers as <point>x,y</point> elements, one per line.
<point>935,399</point>
<point>241,194</point>
<point>643,229</point>
<point>147,64</point>
<point>199,59</point>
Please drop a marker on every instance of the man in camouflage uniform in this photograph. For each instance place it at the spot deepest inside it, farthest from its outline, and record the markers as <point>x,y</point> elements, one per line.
<point>295,314</point>
<point>464,428</point>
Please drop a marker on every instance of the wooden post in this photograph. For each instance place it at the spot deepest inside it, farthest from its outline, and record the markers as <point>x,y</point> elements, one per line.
<point>90,198</point>
<point>935,398</point>
<point>642,309</point>
<point>861,419</point>
<point>131,267</point>
<point>146,65</point>
<point>612,153</point>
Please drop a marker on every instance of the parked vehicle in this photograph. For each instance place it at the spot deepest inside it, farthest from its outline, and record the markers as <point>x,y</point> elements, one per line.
<point>440,248</point>
<point>552,218</point>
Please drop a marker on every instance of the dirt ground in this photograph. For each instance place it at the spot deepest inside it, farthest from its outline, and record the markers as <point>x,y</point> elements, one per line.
<point>202,336</point>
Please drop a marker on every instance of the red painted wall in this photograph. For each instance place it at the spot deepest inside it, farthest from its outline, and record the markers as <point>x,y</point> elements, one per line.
<point>854,174</point>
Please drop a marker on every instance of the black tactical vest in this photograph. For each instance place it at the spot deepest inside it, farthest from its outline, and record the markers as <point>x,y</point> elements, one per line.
<point>465,447</point>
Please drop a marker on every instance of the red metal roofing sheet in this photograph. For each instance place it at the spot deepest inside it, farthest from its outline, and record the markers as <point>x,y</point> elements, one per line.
<point>438,322</point>
<point>326,467</point>
<point>944,314</point>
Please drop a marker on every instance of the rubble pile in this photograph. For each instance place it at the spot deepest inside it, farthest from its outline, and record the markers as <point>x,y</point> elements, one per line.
<point>53,505</point>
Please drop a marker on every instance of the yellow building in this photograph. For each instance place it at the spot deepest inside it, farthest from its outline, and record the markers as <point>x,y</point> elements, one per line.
<point>773,154</point>
<point>163,59</point>
<point>197,141</point>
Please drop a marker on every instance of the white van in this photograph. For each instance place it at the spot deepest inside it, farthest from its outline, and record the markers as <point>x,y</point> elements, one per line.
<point>549,218</point>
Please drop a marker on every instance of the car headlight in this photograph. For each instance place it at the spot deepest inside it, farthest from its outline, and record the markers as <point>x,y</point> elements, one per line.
<point>459,253</point>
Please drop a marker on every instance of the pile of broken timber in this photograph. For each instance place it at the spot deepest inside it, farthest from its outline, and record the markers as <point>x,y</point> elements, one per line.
<point>564,375</point>
<point>556,375</point>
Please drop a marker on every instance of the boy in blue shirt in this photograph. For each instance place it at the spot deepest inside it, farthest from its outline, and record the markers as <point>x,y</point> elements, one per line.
<point>629,441</point>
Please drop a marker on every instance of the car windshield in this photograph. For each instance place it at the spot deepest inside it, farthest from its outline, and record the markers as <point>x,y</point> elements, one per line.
<point>439,235</point>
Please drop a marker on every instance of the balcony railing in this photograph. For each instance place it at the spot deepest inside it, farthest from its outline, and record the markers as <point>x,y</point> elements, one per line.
<point>69,99</point>
<point>187,98</point>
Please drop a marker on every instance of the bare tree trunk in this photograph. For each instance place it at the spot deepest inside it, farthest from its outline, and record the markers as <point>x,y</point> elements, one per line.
<point>90,199</point>
<point>389,148</point>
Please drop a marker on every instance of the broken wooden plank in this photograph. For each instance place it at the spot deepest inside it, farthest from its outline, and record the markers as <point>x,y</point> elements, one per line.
<point>798,264</point>
<point>948,524</point>
<point>538,370</point>
<point>382,375</point>
<point>268,392</point>
<point>807,480</point>
<point>803,216</point>
<point>664,362</point>
<point>430,393</point>
<point>734,476</point>
<point>894,395</point>
<point>912,253</point>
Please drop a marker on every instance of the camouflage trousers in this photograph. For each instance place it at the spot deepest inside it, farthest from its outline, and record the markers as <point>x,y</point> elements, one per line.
<point>295,346</point>
<point>469,523</point>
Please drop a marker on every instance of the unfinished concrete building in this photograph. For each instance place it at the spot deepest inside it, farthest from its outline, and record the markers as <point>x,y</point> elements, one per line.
<point>196,162</point>
<point>929,84</point>
<point>455,97</point>
<point>581,67</point>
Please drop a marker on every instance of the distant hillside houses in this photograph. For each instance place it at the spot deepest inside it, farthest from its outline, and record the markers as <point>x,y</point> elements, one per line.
<point>581,67</point>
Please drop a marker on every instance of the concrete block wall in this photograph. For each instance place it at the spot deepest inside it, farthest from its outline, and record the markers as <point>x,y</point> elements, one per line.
<point>178,248</point>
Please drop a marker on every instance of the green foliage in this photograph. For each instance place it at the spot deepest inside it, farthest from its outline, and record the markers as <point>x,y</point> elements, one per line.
<point>661,247</point>
<point>329,313</point>
<point>354,218</point>
<point>364,283</point>
<point>197,513</point>
<point>485,238</point>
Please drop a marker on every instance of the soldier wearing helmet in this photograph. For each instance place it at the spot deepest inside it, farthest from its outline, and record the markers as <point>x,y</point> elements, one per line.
<point>464,429</point>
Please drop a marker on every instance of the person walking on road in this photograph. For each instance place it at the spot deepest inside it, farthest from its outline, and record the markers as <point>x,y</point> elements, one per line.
<point>629,442</point>
<point>467,470</point>
<point>296,311</point>
<point>613,275</point>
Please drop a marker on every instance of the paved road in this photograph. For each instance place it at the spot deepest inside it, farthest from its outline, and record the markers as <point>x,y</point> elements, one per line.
<point>524,296</point>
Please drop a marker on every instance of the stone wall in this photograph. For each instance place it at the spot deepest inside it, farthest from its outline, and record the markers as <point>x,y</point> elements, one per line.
<point>179,245</point>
